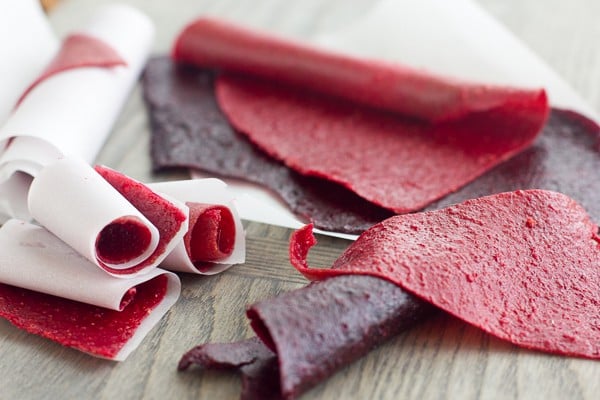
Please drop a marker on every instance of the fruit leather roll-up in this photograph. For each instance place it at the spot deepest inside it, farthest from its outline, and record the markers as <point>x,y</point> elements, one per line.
<point>215,239</point>
<point>112,220</point>
<point>48,289</point>
<point>217,44</point>
<point>71,106</point>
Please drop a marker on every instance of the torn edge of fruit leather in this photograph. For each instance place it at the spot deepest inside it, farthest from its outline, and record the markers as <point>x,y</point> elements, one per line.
<point>522,266</point>
<point>69,108</point>
<point>50,290</point>
<point>306,335</point>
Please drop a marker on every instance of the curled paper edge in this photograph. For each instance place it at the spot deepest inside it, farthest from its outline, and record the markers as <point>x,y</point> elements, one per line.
<point>171,296</point>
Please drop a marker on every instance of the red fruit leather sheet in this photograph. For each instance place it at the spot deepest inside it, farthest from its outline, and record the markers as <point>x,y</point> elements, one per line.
<point>565,158</point>
<point>91,329</point>
<point>440,135</point>
<point>218,44</point>
<point>523,266</point>
<point>78,51</point>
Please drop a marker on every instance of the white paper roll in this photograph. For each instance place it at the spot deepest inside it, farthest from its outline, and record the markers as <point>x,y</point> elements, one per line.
<point>71,200</point>
<point>27,45</point>
<point>72,112</point>
<point>75,109</point>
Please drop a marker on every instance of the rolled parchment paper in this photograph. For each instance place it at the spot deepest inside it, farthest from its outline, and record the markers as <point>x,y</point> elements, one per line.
<point>126,227</point>
<point>28,45</point>
<point>71,112</point>
<point>76,204</point>
<point>210,203</point>
<point>75,109</point>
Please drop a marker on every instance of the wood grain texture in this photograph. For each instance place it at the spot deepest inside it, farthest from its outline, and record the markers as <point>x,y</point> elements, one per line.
<point>443,358</point>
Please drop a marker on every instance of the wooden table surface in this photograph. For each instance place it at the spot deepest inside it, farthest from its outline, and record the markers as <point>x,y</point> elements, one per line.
<point>443,358</point>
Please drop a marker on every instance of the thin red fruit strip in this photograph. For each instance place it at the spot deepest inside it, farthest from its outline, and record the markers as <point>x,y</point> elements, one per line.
<point>523,266</point>
<point>166,216</point>
<point>78,51</point>
<point>217,44</point>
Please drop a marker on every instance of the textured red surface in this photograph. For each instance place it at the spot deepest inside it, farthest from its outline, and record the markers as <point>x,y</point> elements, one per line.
<point>523,266</point>
<point>96,330</point>
<point>395,162</point>
<point>163,214</point>
<point>211,235</point>
<point>79,51</point>
<point>315,111</point>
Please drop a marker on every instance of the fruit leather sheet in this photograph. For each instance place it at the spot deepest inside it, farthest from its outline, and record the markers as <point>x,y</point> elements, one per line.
<point>329,122</point>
